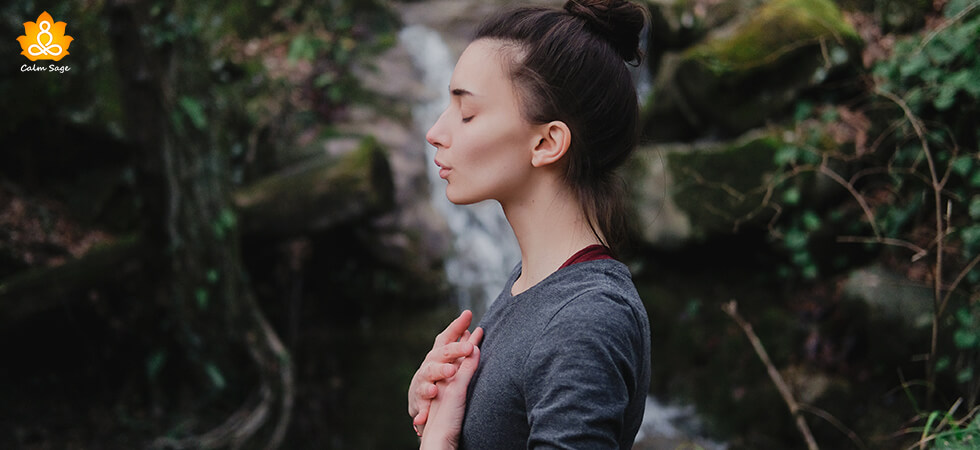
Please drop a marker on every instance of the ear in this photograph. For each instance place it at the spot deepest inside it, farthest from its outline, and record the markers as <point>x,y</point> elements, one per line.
<point>555,137</point>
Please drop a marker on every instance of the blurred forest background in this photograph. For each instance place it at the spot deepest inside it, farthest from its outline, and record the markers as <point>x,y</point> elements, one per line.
<point>217,228</point>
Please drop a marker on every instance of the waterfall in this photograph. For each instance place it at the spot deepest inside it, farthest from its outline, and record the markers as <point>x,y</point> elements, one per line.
<point>484,249</point>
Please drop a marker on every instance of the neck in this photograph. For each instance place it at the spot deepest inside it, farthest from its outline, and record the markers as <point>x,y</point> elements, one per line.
<point>550,227</point>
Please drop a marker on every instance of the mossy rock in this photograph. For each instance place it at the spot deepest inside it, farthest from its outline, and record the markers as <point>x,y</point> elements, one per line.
<point>721,188</point>
<point>685,192</point>
<point>750,72</point>
<point>679,24</point>
<point>320,193</point>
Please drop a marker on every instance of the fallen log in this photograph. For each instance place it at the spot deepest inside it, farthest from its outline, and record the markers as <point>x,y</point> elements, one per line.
<point>318,194</point>
<point>40,289</point>
<point>311,197</point>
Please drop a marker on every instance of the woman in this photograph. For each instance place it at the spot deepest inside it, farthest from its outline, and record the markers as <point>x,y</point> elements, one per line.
<point>542,112</point>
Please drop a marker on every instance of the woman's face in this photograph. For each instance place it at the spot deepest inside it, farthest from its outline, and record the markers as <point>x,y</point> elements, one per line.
<point>483,144</point>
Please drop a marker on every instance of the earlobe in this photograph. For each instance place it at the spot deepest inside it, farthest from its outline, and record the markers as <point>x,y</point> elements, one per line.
<point>555,138</point>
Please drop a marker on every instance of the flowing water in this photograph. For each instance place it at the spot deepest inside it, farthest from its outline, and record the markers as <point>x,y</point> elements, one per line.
<point>484,248</point>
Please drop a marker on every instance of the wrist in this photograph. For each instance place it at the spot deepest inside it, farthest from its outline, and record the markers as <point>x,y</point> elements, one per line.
<point>432,440</point>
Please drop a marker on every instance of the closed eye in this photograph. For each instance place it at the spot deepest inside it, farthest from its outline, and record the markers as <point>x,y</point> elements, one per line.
<point>467,119</point>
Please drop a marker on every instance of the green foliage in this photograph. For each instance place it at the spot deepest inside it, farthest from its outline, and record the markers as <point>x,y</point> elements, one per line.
<point>332,36</point>
<point>926,104</point>
<point>194,111</point>
<point>937,74</point>
<point>945,431</point>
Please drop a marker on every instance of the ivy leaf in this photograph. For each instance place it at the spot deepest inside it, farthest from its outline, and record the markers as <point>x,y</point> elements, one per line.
<point>954,7</point>
<point>964,317</point>
<point>965,339</point>
<point>945,98</point>
<point>968,80</point>
<point>787,154</point>
<point>194,111</point>
<point>971,236</point>
<point>217,379</point>
<point>975,207</point>
<point>810,271</point>
<point>914,65</point>
<point>791,196</point>
<point>811,221</point>
<point>795,239</point>
<point>965,375</point>
<point>803,110</point>
<point>962,165</point>
<point>154,363</point>
<point>201,295</point>
<point>301,48</point>
<point>940,54</point>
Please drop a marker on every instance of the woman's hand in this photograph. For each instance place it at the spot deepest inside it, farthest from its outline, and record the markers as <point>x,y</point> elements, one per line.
<point>446,412</point>
<point>441,363</point>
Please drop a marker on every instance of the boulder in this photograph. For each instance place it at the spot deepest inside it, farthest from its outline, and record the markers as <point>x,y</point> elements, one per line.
<point>677,24</point>
<point>890,296</point>
<point>683,192</point>
<point>749,70</point>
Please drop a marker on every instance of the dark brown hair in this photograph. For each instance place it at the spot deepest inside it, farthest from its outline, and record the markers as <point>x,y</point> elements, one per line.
<point>570,65</point>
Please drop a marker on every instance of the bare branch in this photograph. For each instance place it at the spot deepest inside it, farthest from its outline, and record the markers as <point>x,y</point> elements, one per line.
<point>835,422</point>
<point>731,308</point>
<point>854,193</point>
<point>946,24</point>
<point>959,278</point>
<point>937,192</point>
<point>919,251</point>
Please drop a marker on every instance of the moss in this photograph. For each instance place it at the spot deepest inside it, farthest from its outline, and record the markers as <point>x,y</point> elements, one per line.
<point>717,187</point>
<point>320,192</point>
<point>778,28</point>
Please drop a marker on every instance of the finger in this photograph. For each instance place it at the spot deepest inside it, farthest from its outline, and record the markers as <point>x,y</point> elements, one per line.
<point>477,336</point>
<point>468,367</point>
<point>420,397</point>
<point>421,418</point>
<point>449,352</point>
<point>461,381</point>
<point>427,391</point>
<point>438,372</point>
<point>455,329</point>
<point>465,336</point>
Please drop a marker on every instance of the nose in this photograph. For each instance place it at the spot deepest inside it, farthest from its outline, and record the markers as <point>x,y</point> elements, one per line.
<point>438,136</point>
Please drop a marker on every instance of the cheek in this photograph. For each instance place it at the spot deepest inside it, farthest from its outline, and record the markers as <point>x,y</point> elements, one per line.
<point>497,143</point>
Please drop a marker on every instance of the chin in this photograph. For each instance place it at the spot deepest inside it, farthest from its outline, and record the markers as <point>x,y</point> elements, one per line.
<point>457,198</point>
<point>461,201</point>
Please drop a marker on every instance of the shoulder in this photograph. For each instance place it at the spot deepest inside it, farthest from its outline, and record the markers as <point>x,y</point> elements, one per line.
<point>600,294</point>
<point>599,311</point>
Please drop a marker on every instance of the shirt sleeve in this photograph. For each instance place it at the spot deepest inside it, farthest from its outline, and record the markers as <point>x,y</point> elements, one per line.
<point>581,375</point>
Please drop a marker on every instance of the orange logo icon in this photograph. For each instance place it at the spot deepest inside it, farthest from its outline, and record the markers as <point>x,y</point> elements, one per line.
<point>44,39</point>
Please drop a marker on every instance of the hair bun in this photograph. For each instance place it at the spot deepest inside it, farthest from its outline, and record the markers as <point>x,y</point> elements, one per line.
<point>618,21</point>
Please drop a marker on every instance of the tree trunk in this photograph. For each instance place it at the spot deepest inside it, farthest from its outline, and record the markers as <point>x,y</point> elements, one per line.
<point>190,230</point>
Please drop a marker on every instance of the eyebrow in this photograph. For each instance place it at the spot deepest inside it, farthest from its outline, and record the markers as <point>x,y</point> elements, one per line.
<point>461,92</point>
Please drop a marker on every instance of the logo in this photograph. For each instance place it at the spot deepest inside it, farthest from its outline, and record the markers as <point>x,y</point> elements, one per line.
<point>44,39</point>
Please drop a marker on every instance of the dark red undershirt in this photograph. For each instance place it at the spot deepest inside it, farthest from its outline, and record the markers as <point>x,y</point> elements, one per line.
<point>590,253</point>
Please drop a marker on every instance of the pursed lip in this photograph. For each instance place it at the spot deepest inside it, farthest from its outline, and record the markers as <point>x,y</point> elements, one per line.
<point>443,169</point>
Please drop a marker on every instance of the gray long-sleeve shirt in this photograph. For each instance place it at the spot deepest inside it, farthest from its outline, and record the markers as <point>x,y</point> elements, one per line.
<point>565,364</point>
